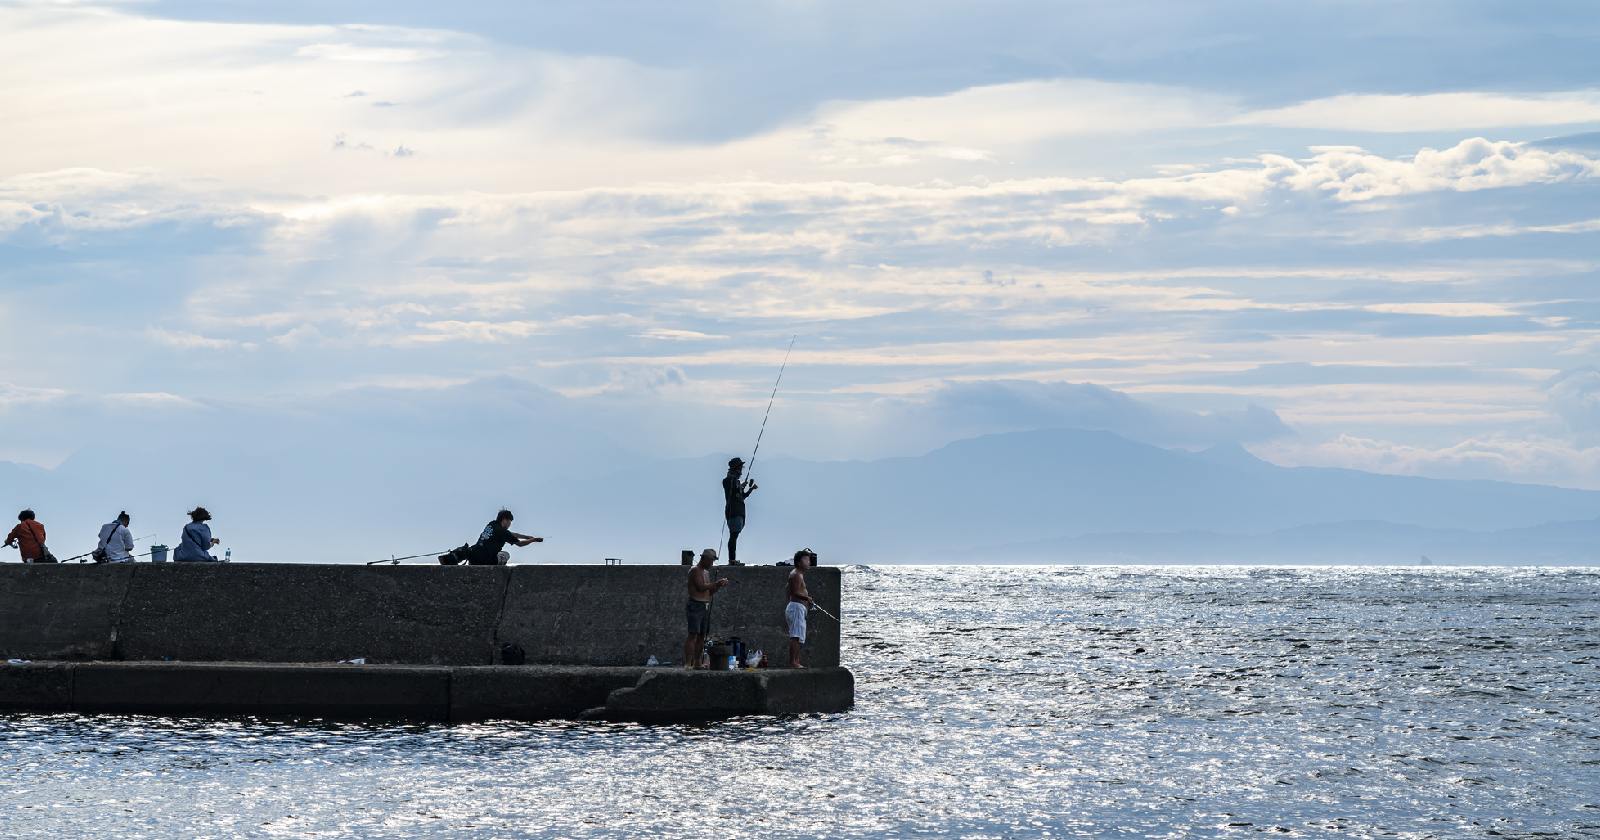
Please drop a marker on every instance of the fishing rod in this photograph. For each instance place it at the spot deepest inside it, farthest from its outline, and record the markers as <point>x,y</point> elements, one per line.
<point>751,471</point>
<point>84,557</point>
<point>395,561</point>
<point>819,608</point>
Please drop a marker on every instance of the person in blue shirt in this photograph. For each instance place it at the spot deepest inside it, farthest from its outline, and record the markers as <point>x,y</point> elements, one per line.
<point>195,545</point>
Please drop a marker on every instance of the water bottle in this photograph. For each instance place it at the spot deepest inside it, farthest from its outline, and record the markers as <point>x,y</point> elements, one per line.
<point>227,556</point>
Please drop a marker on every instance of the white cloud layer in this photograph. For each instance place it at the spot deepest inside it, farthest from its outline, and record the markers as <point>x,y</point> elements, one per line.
<point>297,207</point>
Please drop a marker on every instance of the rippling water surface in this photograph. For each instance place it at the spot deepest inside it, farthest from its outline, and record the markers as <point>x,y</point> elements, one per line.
<point>992,702</point>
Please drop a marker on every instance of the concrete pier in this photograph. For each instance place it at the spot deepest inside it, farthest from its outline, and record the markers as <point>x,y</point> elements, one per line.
<point>265,639</point>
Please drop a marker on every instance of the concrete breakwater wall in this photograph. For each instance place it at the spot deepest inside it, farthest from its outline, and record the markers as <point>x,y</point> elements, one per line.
<point>419,692</point>
<point>406,615</point>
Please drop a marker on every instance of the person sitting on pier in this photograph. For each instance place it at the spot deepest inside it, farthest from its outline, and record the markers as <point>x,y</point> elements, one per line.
<point>734,492</point>
<point>28,538</point>
<point>799,602</point>
<point>196,542</point>
<point>491,543</point>
<point>701,588</point>
<point>116,541</point>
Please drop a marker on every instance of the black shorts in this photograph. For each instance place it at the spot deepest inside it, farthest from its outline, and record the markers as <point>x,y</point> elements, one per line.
<point>699,615</point>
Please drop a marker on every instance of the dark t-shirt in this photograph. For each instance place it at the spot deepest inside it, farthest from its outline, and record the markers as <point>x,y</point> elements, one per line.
<point>490,543</point>
<point>733,496</point>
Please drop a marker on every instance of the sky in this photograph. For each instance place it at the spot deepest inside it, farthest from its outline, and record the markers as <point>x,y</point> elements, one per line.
<point>1357,234</point>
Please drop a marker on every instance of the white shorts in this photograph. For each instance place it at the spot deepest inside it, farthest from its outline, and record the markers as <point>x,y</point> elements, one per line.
<point>796,614</point>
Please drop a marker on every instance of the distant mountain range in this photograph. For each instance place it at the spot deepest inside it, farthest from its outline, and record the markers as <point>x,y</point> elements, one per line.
<point>1043,496</point>
<point>1089,496</point>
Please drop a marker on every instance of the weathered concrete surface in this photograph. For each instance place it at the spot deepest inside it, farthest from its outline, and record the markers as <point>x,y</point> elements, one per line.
<point>239,639</point>
<point>533,693</point>
<point>304,613</point>
<point>622,615</point>
<point>37,686</point>
<point>809,690</point>
<point>350,692</point>
<point>418,692</point>
<point>61,611</point>
<point>418,615</point>
<point>671,695</point>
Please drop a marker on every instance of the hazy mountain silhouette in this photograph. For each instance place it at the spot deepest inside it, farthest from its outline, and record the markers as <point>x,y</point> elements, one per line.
<point>307,489</point>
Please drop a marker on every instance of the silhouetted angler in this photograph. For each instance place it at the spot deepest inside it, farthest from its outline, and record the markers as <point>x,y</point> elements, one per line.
<point>492,542</point>
<point>734,492</point>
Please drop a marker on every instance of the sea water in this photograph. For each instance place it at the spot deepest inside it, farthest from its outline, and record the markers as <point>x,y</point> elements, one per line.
<point>991,702</point>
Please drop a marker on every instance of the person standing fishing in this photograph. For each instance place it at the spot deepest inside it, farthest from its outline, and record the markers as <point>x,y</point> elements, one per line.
<point>734,492</point>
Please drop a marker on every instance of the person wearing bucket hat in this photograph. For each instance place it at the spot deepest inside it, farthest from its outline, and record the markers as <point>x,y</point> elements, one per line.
<point>196,542</point>
<point>734,492</point>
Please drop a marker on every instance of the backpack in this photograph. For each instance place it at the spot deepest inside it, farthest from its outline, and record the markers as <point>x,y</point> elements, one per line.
<point>455,556</point>
<point>44,551</point>
<point>99,554</point>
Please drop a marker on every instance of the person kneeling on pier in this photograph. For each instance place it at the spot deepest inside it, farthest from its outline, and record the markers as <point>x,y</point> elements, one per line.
<point>701,588</point>
<point>492,542</point>
<point>794,612</point>
<point>195,545</point>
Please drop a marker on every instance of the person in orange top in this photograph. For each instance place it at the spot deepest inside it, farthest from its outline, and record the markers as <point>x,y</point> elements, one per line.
<point>28,537</point>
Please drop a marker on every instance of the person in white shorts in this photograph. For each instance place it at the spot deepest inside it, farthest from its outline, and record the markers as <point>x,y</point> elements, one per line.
<point>799,602</point>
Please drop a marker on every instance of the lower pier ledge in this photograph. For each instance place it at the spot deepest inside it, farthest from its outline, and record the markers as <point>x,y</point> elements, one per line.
<point>420,692</point>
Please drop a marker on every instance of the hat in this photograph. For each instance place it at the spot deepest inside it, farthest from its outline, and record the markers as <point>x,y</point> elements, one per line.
<point>710,552</point>
<point>735,462</point>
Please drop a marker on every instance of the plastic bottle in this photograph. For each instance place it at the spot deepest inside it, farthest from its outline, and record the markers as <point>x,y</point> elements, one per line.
<point>227,556</point>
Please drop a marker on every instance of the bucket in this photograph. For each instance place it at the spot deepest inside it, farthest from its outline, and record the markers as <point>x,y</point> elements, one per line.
<point>688,557</point>
<point>719,657</point>
<point>158,554</point>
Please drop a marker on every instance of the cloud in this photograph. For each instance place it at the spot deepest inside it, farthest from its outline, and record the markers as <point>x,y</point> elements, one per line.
<point>1575,397</point>
<point>1453,112</point>
<point>962,409</point>
<point>1140,225</point>
<point>1354,175</point>
<point>1531,458</point>
<point>195,341</point>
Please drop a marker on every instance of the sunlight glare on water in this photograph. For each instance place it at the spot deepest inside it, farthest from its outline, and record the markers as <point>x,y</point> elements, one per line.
<point>992,702</point>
